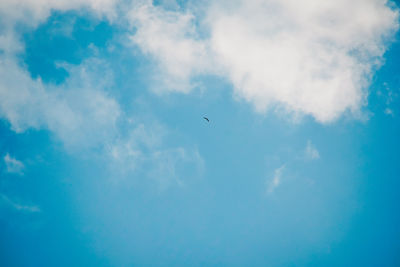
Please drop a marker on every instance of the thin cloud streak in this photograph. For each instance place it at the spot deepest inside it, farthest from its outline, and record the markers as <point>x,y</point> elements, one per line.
<point>19,207</point>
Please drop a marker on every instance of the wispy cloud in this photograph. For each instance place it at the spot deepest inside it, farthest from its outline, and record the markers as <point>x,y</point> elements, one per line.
<point>311,152</point>
<point>144,151</point>
<point>389,96</point>
<point>175,166</point>
<point>17,206</point>
<point>273,183</point>
<point>13,165</point>
<point>389,111</point>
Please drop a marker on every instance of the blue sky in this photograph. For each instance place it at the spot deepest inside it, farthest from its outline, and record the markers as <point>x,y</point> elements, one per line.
<point>106,159</point>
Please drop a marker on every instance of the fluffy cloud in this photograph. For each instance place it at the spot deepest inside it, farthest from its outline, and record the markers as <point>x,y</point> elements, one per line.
<point>31,13</point>
<point>306,57</point>
<point>170,37</point>
<point>79,112</point>
<point>13,165</point>
<point>313,57</point>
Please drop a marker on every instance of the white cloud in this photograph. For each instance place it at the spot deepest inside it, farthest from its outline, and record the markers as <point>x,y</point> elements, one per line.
<point>31,13</point>
<point>170,37</point>
<point>35,11</point>
<point>79,112</point>
<point>309,57</point>
<point>13,165</point>
<point>311,152</point>
<point>305,57</point>
<point>313,57</point>
<point>276,180</point>
<point>17,206</point>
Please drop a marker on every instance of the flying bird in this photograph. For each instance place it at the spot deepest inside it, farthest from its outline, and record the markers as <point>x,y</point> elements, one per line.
<point>206,119</point>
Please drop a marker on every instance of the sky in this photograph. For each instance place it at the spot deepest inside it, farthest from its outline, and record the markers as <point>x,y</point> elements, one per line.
<point>106,160</point>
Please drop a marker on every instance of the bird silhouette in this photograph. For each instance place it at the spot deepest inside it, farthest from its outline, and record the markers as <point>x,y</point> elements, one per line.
<point>206,119</point>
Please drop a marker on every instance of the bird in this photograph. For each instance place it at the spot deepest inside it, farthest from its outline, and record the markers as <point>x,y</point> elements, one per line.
<point>206,119</point>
